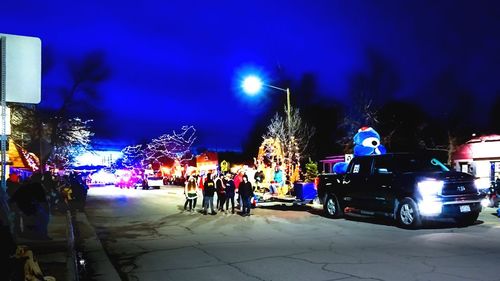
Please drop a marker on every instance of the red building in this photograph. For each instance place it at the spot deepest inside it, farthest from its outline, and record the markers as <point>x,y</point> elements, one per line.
<point>479,156</point>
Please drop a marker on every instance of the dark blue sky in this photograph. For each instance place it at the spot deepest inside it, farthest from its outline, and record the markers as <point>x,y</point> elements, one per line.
<point>180,62</point>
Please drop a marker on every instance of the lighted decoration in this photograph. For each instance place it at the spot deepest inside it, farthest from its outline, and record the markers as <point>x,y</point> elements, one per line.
<point>74,137</point>
<point>270,151</point>
<point>102,177</point>
<point>132,156</point>
<point>175,146</point>
<point>270,155</point>
<point>31,159</point>
<point>366,142</point>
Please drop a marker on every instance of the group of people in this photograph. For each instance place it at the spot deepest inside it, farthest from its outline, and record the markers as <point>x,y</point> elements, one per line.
<point>33,200</point>
<point>225,186</point>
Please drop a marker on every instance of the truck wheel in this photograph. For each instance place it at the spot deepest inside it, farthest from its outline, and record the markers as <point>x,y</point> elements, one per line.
<point>408,215</point>
<point>467,220</point>
<point>331,207</point>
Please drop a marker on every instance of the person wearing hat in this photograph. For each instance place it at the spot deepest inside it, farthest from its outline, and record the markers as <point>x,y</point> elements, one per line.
<point>191,193</point>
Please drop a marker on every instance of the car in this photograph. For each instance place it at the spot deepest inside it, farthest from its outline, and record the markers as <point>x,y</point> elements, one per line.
<point>408,188</point>
<point>155,181</point>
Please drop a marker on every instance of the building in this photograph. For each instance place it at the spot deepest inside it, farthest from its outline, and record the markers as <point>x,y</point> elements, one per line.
<point>20,161</point>
<point>480,157</point>
<point>330,161</point>
<point>207,162</point>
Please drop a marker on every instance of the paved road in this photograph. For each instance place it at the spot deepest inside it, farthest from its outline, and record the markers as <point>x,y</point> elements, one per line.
<point>149,237</point>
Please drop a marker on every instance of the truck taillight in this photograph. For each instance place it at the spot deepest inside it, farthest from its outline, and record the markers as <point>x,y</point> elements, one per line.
<point>316,183</point>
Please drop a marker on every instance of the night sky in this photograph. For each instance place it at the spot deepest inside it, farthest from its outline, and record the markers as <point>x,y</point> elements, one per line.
<point>181,62</point>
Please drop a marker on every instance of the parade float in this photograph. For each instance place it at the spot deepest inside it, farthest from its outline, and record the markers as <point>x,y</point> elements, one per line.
<point>276,179</point>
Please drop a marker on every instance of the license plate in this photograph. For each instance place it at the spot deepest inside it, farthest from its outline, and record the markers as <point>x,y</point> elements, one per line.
<point>464,208</point>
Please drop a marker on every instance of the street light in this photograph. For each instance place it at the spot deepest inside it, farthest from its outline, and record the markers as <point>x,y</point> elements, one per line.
<point>253,84</point>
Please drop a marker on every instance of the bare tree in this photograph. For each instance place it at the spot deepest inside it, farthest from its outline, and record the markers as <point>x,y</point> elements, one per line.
<point>361,112</point>
<point>74,136</point>
<point>175,146</point>
<point>296,139</point>
<point>25,124</point>
<point>133,156</point>
<point>57,129</point>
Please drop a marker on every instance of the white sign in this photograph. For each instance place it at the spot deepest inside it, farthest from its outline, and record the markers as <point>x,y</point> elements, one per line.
<point>23,68</point>
<point>7,122</point>
<point>348,157</point>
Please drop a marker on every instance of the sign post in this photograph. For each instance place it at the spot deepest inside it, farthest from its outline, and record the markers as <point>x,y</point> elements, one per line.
<point>20,82</point>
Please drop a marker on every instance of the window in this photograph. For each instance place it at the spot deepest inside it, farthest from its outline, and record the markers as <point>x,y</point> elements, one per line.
<point>362,166</point>
<point>383,166</point>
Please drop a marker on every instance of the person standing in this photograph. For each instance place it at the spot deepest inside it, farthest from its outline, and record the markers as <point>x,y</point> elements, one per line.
<point>246,193</point>
<point>191,192</point>
<point>208,193</point>
<point>259,179</point>
<point>221,193</point>
<point>230,189</point>
<point>15,216</point>
<point>238,178</point>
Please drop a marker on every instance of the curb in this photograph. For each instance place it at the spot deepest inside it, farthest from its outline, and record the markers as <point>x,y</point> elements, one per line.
<point>71,262</point>
<point>97,259</point>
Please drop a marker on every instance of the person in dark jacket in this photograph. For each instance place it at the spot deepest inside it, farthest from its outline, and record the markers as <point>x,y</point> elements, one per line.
<point>246,193</point>
<point>15,216</point>
<point>229,184</point>
<point>31,200</point>
<point>208,193</point>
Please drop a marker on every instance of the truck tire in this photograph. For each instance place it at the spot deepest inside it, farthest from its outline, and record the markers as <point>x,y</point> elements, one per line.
<point>408,215</point>
<point>331,207</point>
<point>467,220</point>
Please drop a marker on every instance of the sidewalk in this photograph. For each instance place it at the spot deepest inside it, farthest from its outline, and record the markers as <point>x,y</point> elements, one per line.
<point>53,255</point>
<point>56,256</point>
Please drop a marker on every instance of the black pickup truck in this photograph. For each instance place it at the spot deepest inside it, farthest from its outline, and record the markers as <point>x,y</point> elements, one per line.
<point>405,187</point>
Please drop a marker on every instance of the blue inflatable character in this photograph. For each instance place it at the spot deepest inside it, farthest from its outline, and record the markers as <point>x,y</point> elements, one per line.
<point>366,142</point>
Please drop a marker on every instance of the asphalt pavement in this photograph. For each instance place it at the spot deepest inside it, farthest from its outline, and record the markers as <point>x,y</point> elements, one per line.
<point>147,235</point>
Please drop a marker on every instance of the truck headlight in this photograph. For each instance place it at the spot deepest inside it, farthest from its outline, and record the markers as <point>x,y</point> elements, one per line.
<point>430,188</point>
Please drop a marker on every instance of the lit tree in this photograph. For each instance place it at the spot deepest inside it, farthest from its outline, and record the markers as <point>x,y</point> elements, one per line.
<point>58,135</point>
<point>294,140</point>
<point>61,143</point>
<point>175,146</point>
<point>73,138</point>
<point>132,156</point>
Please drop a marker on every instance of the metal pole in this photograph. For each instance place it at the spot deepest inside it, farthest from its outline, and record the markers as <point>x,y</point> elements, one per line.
<point>289,132</point>
<point>3,135</point>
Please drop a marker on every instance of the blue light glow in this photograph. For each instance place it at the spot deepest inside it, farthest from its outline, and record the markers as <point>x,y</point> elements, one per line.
<point>96,158</point>
<point>252,85</point>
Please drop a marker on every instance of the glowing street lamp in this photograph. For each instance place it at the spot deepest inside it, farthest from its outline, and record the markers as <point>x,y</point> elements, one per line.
<point>253,84</point>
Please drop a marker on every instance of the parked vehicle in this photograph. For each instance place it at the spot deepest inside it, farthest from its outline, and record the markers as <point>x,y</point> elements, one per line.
<point>406,187</point>
<point>154,181</point>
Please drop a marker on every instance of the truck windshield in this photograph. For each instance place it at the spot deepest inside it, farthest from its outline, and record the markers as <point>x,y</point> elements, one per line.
<point>419,164</point>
